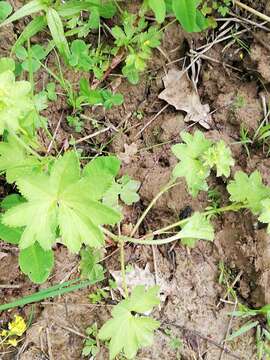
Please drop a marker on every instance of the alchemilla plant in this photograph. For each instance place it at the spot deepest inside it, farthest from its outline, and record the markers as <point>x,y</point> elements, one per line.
<point>62,198</point>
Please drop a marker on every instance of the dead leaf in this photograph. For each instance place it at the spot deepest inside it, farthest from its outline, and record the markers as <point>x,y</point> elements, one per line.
<point>2,255</point>
<point>180,93</point>
<point>138,276</point>
<point>127,155</point>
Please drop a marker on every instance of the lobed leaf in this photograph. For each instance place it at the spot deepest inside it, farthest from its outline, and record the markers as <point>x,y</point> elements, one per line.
<point>130,332</point>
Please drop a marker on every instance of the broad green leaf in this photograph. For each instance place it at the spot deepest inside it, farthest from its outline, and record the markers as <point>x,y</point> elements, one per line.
<point>265,213</point>
<point>61,200</point>
<point>31,29</point>
<point>14,160</point>
<point>197,227</point>
<point>15,101</point>
<point>56,28</point>
<point>6,64</point>
<point>32,7</point>
<point>248,190</point>
<point>5,10</point>
<point>187,14</point>
<point>159,9</point>
<point>36,263</point>
<point>130,332</point>
<point>219,156</point>
<point>89,265</point>
<point>101,172</point>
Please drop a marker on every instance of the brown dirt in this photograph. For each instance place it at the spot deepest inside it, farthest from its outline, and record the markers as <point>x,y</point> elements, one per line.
<point>193,303</point>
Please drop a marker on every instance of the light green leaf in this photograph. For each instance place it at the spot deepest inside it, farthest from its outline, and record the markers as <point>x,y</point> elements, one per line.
<point>197,227</point>
<point>194,145</point>
<point>126,189</point>
<point>129,188</point>
<point>15,101</point>
<point>14,160</point>
<point>30,8</point>
<point>248,190</point>
<point>219,156</point>
<point>6,64</point>
<point>130,332</point>
<point>195,174</point>
<point>36,263</point>
<point>89,265</point>
<point>60,200</point>
<point>159,9</point>
<point>56,28</point>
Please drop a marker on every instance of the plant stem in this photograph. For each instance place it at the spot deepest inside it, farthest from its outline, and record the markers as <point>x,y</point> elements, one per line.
<point>251,10</point>
<point>123,270</point>
<point>232,207</point>
<point>167,187</point>
<point>27,147</point>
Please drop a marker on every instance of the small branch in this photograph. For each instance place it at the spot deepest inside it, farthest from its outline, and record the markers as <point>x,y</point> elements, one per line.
<point>251,10</point>
<point>167,187</point>
<point>92,135</point>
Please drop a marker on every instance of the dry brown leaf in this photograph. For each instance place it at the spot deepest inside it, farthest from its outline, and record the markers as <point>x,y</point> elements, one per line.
<point>180,93</point>
<point>127,155</point>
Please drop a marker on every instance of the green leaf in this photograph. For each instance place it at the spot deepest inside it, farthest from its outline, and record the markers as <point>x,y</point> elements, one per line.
<point>219,156</point>
<point>190,166</point>
<point>187,14</point>
<point>15,101</point>
<point>31,8</point>
<point>36,263</point>
<point>159,9</point>
<point>197,227</point>
<point>126,188</point>
<point>248,326</point>
<point>56,28</point>
<point>31,29</point>
<point>14,160</point>
<point>6,64</point>
<point>5,10</point>
<point>129,188</point>
<point>11,200</point>
<point>130,332</point>
<point>61,200</point>
<point>89,265</point>
<point>10,235</point>
<point>248,190</point>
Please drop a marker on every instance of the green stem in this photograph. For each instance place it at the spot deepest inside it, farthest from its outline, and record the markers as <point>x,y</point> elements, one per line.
<point>232,207</point>
<point>123,270</point>
<point>144,241</point>
<point>167,187</point>
<point>27,147</point>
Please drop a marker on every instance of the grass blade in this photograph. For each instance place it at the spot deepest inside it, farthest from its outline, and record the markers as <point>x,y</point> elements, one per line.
<point>52,291</point>
<point>243,329</point>
<point>30,30</point>
<point>28,9</point>
<point>57,30</point>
